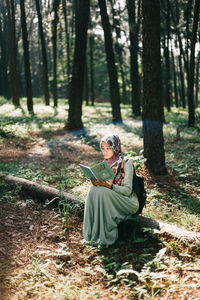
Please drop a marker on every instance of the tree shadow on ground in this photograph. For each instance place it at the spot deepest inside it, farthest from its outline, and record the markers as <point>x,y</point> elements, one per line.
<point>131,253</point>
<point>71,150</point>
<point>175,193</point>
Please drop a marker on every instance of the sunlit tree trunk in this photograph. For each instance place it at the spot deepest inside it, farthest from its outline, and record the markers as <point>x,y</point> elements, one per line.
<point>191,115</point>
<point>54,40</point>
<point>152,103</point>
<point>26,58</point>
<point>112,72</point>
<point>133,34</point>
<point>77,82</point>
<point>44,54</point>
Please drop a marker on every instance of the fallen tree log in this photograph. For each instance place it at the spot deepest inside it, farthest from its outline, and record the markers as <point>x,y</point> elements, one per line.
<point>42,193</point>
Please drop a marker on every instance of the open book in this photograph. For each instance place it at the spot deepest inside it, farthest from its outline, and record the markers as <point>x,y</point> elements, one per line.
<point>100,171</point>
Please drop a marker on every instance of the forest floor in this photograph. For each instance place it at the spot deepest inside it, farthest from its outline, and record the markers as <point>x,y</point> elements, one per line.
<point>41,255</point>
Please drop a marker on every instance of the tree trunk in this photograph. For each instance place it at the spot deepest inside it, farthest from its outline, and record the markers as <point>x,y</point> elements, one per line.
<point>197,80</point>
<point>13,52</point>
<point>187,17</point>
<point>133,36</point>
<point>174,79</point>
<point>119,51</point>
<point>112,72</point>
<point>5,85</point>
<point>39,191</point>
<point>86,83</point>
<point>64,6</point>
<point>91,44</point>
<point>77,82</point>
<point>152,103</point>
<point>43,193</point>
<point>191,116</point>
<point>44,54</point>
<point>54,41</point>
<point>181,55</point>
<point>166,51</point>
<point>182,81</point>
<point>26,58</point>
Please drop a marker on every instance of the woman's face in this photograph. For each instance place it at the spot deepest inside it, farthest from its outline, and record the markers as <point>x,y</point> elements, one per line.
<point>106,150</point>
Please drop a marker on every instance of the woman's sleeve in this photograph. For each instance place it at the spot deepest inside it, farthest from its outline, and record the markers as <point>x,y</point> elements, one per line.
<point>126,188</point>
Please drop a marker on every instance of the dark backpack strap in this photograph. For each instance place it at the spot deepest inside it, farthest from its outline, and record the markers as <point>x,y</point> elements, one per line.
<point>122,170</point>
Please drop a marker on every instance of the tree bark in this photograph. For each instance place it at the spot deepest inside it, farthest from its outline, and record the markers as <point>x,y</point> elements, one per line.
<point>182,81</point>
<point>152,102</point>
<point>39,191</point>
<point>187,17</point>
<point>5,84</point>
<point>197,80</point>
<point>13,53</point>
<point>174,79</point>
<point>86,83</point>
<point>26,58</point>
<point>181,55</point>
<point>77,82</point>
<point>64,7</point>
<point>54,40</point>
<point>112,72</point>
<point>191,114</point>
<point>44,54</point>
<point>133,36</point>
<point>167,61</point>
<point>42,193</point>
<point>91,55</point>
<point>119,51</point>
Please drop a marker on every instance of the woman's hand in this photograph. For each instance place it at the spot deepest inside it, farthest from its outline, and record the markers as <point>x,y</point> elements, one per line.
<point>100,182</point>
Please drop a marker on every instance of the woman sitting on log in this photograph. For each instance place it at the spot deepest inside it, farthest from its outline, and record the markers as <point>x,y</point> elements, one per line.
<point>109,203</point>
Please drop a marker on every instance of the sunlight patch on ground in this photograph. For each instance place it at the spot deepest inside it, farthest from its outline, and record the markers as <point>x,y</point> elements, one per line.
<point>82,190</point>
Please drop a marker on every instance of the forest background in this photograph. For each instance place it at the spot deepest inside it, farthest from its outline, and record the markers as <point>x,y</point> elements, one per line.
<point>69,72</point>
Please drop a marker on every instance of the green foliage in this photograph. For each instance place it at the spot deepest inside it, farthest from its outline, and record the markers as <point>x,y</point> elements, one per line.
<point>137,159</point>
<point>7,196</point>
<point>64,211</point>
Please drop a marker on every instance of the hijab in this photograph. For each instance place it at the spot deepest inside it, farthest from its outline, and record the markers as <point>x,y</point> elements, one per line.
<point>115,161</point>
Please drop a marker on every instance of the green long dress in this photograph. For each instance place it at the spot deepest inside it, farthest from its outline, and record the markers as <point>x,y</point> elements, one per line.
<point>105,208</point>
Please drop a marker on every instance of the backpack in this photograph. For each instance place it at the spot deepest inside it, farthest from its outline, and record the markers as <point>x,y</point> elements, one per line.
<point>137,187</point>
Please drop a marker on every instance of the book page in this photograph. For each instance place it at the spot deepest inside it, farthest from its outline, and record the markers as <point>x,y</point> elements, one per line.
<point>103,171</point>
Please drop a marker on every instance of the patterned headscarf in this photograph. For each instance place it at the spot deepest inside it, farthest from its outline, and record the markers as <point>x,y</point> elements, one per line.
<point>115,161</point>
